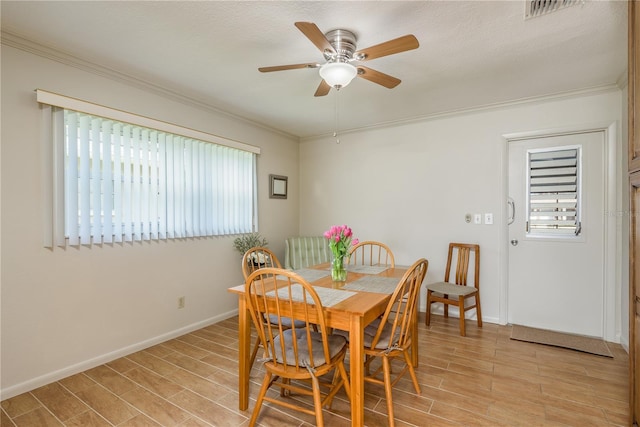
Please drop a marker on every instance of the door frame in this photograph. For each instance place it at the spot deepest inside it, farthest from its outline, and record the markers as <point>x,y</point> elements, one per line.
<point>612,298</point>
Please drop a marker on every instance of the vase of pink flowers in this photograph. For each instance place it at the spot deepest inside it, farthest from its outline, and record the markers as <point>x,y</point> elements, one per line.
<point>340,239</point>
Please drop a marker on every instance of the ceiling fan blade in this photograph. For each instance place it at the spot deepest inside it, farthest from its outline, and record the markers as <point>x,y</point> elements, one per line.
<point>390,47</point>
<point>377,77</point>
<point>323,89</point>
<point>316,36</point>
<point>287,67</point>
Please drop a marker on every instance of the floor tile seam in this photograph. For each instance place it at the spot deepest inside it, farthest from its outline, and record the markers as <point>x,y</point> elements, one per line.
<point>91,409</point>
<point>472,414</point>
<point>87,406</point>
<point>195,415</point>
<point>121,375</point>
<point>216,343</point>
<point>141,411</point>
<point>195,347</point>
<point>213,383</point>
<point>203,396</point>
<point>591,397</point>
<point>118,397</point>
<point>549,417</point>
<point>550,404</point>
<point>18,396</point>
<point>570,382</point>
<point>42,406</point>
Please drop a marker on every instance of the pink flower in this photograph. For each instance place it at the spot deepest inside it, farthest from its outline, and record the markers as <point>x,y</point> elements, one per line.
<point>340,239</point>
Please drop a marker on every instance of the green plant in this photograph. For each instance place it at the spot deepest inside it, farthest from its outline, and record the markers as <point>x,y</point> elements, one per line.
<point>248,241</point>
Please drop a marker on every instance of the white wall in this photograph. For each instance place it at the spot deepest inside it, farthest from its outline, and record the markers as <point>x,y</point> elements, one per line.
<point>411,185</point>
<point>64,311</point>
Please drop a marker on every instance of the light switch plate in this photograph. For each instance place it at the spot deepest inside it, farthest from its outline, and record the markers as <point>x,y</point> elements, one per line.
<point>477,219</point>
<point>488,218</point>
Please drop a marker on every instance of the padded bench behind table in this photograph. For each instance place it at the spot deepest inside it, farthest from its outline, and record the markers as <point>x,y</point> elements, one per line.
<point>302,252</point>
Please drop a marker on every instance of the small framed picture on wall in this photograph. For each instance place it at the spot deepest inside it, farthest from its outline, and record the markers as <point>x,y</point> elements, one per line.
<point>278,186</point>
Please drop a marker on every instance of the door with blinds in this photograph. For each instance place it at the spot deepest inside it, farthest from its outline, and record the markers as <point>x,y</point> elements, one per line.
<point>556,233</point>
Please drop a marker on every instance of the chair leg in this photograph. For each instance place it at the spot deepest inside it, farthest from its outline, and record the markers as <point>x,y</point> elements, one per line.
<point>336,383</point>
<point>461,309</point>
<point>412,372</point>
<point>446,307</point>
<point>478,310</point>
<point>427,320</point>
<point>260,398</point>
<point>317,401</point>
<point>386,365</point>
<point>346,382</point>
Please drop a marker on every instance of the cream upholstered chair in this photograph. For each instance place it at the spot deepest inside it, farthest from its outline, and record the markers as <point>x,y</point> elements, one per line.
<point>371,253</point>
<point>253,259</point>
<point>456,292</point>
<point>303,252</point>
<point>294,353</point>
<point>390,336</point>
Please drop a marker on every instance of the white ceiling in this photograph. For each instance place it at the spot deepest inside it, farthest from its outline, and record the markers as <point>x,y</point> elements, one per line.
<point>471,54</point>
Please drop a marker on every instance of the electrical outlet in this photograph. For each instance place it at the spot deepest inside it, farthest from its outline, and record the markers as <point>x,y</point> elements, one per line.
<point>181,302</point>
<point>477,219</point>
<point>488,218</point>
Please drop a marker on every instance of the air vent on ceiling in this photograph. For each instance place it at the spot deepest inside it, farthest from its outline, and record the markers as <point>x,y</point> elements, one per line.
<point>535,8</point>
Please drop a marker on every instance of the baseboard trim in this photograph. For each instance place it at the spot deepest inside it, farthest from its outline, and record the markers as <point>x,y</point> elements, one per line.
<point>50,377</point>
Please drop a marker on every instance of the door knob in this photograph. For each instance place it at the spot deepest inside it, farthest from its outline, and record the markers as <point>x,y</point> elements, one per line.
<point>514,242</point>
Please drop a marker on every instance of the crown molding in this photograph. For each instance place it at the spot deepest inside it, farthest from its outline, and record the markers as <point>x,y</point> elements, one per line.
<point>18,42</point>
<point>480,108</point>
<point>21,43</point>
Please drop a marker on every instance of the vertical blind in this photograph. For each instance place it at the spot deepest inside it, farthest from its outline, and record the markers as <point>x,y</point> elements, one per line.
<point>554,188</point>
<point>115,181</point>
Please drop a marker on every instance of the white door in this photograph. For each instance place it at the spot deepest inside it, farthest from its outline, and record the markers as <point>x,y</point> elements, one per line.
<point>556,272</point>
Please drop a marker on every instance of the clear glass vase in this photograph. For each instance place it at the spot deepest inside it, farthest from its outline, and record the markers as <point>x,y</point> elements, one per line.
<point>339,269</point>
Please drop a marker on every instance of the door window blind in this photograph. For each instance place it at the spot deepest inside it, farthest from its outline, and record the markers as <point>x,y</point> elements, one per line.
<point>554,192</point>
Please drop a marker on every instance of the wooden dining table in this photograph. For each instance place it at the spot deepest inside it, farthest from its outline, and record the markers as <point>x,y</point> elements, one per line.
<point>352,314</point>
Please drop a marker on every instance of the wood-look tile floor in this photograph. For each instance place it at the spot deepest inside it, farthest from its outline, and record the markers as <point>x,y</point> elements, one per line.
<point>483,379</point>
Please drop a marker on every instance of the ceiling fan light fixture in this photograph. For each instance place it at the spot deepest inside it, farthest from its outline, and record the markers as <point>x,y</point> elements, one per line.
<point>338,74</point>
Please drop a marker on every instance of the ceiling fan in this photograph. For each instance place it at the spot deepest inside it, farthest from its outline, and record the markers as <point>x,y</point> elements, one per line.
<point>339,50</point>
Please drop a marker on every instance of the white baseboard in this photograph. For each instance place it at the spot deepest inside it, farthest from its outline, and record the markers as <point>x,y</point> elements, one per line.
<point>50,377</point>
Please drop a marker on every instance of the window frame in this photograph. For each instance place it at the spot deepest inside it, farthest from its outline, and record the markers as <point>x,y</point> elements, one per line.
<point>52,108</point>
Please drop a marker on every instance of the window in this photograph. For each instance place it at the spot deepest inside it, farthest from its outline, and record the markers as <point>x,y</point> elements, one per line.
<point>553,195</point>
<point>123,182</point>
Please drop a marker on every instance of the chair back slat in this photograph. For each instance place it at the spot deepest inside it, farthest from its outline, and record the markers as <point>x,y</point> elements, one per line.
<point>371,253</point>
<point>462,252</point>
<point>462,266</point>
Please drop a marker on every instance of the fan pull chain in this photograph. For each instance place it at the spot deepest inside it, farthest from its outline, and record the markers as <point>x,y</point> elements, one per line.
<point>337,122</point>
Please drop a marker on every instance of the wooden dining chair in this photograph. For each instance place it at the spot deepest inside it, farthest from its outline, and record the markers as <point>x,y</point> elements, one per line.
<point>253,259</point>
<point>389,337</point>
<point>457,292</point>
<point>371,253</point>
<point>295,353</point>
<point>258,257</point>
